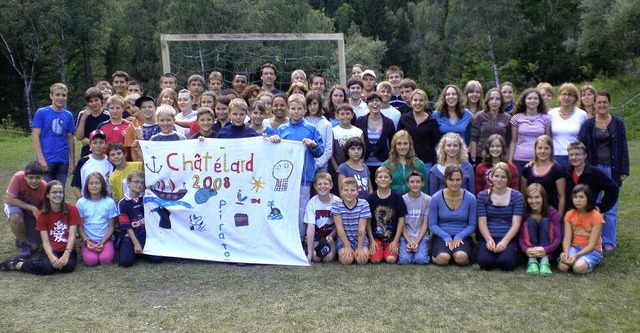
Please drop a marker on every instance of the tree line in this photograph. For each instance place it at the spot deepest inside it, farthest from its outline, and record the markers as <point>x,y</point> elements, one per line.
<point>436,42</point>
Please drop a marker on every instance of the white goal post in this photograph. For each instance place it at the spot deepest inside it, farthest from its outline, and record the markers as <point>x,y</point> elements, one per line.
<point>337,37</point>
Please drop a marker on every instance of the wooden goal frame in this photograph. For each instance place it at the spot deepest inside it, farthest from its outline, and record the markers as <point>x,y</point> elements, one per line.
<point>337,37</point>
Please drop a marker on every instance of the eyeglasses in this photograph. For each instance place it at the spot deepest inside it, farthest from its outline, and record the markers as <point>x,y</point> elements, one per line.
<point>138,182</point>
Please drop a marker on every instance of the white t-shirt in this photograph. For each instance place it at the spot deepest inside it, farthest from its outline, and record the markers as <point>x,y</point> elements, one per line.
<point>565,131</point>
<point>393,114</point>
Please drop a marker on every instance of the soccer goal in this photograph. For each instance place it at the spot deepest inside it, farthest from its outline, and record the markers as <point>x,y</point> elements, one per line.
<point>184,55</point>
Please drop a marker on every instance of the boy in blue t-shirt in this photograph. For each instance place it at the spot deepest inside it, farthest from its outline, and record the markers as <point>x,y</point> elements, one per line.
<point>300,130</point>
<point>52,132</point>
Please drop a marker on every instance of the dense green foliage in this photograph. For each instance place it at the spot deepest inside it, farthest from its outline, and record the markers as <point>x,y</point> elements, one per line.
<point>434,41</point>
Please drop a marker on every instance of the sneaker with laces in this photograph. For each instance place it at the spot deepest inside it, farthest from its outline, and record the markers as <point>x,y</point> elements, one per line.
<point>24,249</point>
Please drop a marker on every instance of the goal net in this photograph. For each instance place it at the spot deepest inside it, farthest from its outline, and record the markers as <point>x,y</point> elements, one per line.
<point>184,55</point>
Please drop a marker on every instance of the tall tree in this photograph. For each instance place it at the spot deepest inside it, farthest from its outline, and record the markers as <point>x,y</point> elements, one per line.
<point>23,34</point>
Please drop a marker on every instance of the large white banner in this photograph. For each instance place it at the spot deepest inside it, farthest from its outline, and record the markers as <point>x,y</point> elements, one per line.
<point>232,200</point>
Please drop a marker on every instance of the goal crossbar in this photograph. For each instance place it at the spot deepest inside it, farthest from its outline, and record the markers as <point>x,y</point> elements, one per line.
<point>337,37</point>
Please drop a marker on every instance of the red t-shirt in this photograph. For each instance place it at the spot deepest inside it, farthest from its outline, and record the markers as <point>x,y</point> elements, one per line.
<point>19,188</point>
<point>115,132</point>
<point>57,225</point>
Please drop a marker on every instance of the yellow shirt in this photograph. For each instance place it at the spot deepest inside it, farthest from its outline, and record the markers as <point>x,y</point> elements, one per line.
<point>118,180</point>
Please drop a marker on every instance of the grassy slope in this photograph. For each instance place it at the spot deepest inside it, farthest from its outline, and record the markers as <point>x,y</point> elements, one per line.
<point>197,296</point>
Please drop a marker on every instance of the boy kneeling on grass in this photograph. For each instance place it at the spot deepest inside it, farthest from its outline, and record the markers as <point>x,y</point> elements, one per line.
<point>351,216</point>
<point>387,223</point>
<point>321,231</point>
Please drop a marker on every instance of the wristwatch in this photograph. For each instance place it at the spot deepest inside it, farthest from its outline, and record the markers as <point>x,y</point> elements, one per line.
<point>69,250</point>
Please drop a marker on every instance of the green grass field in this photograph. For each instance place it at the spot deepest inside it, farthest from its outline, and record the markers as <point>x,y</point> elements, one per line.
<point>215,297</point>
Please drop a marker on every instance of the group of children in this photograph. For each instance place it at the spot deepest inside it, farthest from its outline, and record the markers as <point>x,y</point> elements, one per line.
<point>367,222</point>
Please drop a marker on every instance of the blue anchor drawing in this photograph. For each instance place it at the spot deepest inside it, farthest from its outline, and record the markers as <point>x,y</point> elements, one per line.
<point>154,170</point>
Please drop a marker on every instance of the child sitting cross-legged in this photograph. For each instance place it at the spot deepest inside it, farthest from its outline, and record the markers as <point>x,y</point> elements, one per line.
<point>582,243</point>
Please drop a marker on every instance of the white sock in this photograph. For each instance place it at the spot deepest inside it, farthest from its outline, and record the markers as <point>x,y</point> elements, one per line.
<point>544,260</point>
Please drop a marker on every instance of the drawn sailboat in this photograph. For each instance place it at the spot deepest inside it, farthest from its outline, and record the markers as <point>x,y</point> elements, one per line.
<point>166,191</point>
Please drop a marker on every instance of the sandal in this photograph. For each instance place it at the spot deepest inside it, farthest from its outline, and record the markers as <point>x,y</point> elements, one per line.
<point>533,268</point>
<point>10,265</point>
<point>545,269</point>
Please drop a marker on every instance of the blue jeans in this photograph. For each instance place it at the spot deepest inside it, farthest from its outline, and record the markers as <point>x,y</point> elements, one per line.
<point>421,257</point>
<point>57,171</point>
<point>610,217</point>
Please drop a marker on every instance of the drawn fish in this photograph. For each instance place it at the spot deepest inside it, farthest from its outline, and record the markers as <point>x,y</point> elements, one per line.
<point>204,194</point>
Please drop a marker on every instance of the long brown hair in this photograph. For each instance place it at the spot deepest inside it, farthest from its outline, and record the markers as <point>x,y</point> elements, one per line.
<point>46,207</point>
<point>544,208</point>
<point>393,153</point>
<point>443,109</point>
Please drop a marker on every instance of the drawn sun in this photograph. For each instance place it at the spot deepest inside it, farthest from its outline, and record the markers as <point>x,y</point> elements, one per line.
<point>257,184</point>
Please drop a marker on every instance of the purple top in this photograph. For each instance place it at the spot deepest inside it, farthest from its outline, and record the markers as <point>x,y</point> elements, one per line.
<point>528,129</point>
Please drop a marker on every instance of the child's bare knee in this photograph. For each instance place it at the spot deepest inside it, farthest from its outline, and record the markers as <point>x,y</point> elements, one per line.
<point>391,259</point>
<point>442,259</point>
<point>581,267</point>
<point>563,267</point>
<point>461,258</point>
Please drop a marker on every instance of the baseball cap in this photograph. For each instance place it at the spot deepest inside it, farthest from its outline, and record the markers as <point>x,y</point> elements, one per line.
<point>369,72</point>
<point>97,133</point>
<point>144,98</point>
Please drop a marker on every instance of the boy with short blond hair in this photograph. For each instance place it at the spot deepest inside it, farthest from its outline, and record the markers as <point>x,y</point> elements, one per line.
<point>238,129</point>
<point>216,83</point>
<point>321,233</point>
<point>351,216</point>
<point>116,127</point>
<point>52,131</point>
<point>385,90</point>
<point>166,120</point>
<point>300,130</point>
<point>388,211</point>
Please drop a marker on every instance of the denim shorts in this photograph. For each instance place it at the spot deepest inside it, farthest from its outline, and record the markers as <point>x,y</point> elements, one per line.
<point>592,258</point>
